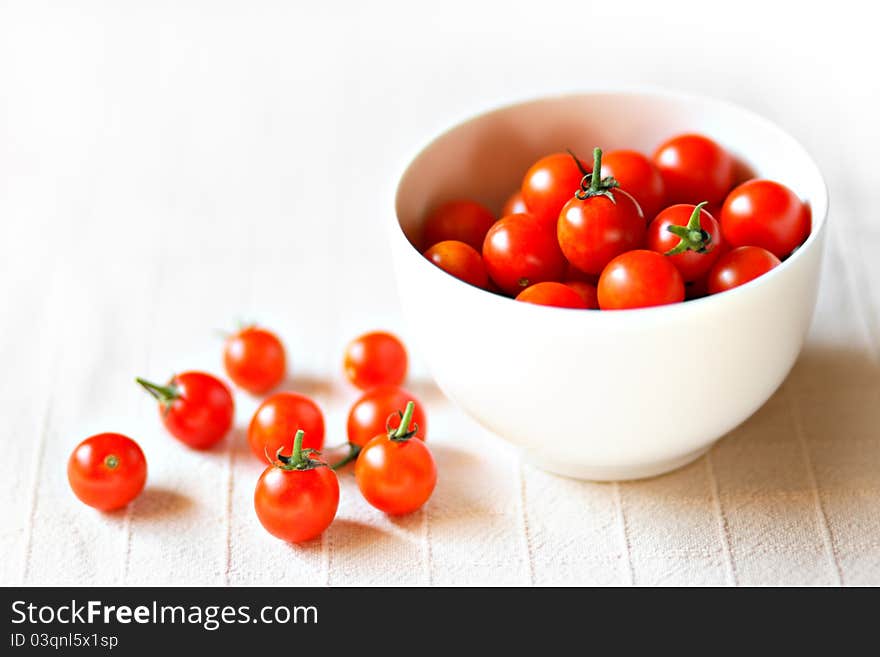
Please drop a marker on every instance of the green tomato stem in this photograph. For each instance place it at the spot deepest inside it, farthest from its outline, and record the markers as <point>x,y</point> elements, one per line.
<point>402,432</point>
<point>598,186</point>
<point>596,178</point>
<point>164,394</point>
<point>296,459</point>
<point>353,452</point>
<point>693,237</point>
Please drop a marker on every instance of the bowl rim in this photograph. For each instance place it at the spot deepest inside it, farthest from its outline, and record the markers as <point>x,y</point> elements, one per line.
<point>822,201</point>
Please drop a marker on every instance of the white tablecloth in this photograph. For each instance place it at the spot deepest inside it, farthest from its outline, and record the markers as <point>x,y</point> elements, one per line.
<point>166,169</point>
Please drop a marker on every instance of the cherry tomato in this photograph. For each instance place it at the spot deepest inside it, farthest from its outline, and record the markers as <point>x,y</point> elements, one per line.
<point>369,414</point>
<point>637,175</point>
<point>195,407</point>
<point>296,497</point>
<point>460,260</point>
<point>514,205</point>
<point>694,169</point>
<point>462,220</point>
<point>739,266</point>
<point>550,183</point>
<point>552,294</point>
<point>766,214</point>
<point>587,292</point>
<point>598,224</point>
<point>638,279</point>
<point>277,420</point>
<point>375,359</point>
<point>254,359</point>
<point>107,471</point>
<point>520,251</point>
<point>694,243</point>
<point>395,473</point>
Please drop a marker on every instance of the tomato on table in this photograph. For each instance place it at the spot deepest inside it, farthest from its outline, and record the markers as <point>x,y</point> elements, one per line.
<point>377,411</point>
<point>374,359</point>
<point>514,204</point>
<point>254,359</point>
<point>599,223</point>
<point>694,168</point>
<point>638,279</point>
<point>461,220</point>
<point>739,266</point>
<point>195,407</point>
<point>638,176</point>
<point>550,183</point>
<point>459,260</point>
<point>766,214</point>
<point>394,473</point>
<point>552,294</point>
<point>689,236</point>
<point>520,251</point>
<point>107,471</point>
<point>277,420</point>
<point>296,497</point>
<point>587,292</point>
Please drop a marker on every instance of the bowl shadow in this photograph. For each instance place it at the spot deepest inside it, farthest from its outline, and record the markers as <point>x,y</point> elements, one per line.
<point>820,419</point>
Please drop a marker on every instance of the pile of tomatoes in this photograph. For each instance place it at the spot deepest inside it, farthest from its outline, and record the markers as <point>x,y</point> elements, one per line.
<point>625,231</point>
<point>297,495</point>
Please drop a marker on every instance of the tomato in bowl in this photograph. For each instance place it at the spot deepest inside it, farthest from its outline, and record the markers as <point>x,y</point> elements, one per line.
<point>604,395</point>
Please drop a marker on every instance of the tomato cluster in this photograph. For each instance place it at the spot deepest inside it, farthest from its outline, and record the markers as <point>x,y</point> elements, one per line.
<point>625,231</point>
<point>297,495</point>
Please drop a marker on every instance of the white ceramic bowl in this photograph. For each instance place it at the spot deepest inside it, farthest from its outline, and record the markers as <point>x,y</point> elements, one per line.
<point>604,395</point>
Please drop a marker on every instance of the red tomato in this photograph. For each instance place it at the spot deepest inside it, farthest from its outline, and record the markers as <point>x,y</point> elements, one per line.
<point>463,221</point>
<point>277,420</point>
<point>195,407</point>
<point>740,266</point>
<point>370,414</point>
<point>552,294</point>
<point>766,214</point>
<point>694,169</point>
<point>296,498</point>
<point>395,473</point>
<point>587,292</point>
<point>636,174</point>
<point>599,223</point>
<point>638,279</point>
<point>550,183</point>
<point>107,471</point>
<point>375,359</point>
<point>460,260</point>
<point>520,251</point>
<point>689,237</point>
<point>254,359</point>
<point>514,205</point>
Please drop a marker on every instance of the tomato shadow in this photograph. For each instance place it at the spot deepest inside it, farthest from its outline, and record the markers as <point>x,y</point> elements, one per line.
<point>237,446</point>
<point>351,536</point>
<point>461,490</point>
<point>308,385</point>
<point>158,502</point>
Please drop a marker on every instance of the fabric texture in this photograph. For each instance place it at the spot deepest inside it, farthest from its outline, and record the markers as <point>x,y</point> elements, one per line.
<point>790,497</point>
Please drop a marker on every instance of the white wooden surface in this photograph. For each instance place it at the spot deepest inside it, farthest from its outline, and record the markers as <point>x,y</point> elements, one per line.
<point>169,167</point>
